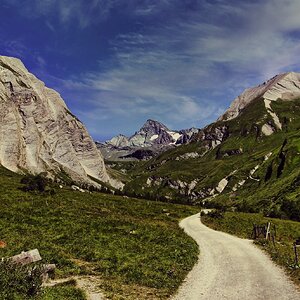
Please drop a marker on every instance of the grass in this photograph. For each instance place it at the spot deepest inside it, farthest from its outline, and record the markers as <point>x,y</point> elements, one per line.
<point>282,252</point>
<point>129,243</point>
<point>62,292</point>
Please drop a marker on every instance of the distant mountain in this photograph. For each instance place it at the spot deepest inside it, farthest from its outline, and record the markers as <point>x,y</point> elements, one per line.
<point>38,133</point>
<point>247,160</point>
<point>153,136</point>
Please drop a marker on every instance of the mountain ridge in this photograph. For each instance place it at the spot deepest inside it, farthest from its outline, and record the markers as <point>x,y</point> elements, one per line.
<point>281,86</point>
<point>249,162</point>
<point>153,137</point>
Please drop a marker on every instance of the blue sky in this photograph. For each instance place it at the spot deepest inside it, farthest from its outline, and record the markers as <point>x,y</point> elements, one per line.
<point>117,63</point>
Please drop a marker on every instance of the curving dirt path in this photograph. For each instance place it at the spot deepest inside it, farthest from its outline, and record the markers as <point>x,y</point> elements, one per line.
<point>231,268</point>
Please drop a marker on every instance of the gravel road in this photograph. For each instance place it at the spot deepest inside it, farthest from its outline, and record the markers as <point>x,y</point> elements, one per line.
<point>231,268</point>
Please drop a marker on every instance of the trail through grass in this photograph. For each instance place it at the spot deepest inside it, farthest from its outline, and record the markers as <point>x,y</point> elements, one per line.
<point>282,252</point>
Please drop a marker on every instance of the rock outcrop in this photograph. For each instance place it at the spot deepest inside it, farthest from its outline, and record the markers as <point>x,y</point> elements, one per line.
<point>186,135</point>
<point>39,134</point>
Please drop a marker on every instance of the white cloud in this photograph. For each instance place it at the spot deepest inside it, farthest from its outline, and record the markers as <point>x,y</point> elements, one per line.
<point>190,64</point>
<point>178,72</point>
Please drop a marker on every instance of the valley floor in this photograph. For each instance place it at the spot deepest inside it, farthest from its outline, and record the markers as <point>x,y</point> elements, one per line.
<point>231,268</point>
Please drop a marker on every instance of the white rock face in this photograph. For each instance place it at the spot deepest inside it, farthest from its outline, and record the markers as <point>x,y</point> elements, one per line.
<point>222,185</point>
<point>188,155</point>
<point>267,129</point>
<point>285,86</point>
<point>37,131</point>
<point>119,141</point>
<point>273,115</point>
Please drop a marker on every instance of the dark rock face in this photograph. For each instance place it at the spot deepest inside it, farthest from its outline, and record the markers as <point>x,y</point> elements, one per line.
<point>140,154</point>
<point>187,135</point>
<point>152,127</point>
<point>152,133</point>
<point>164,138</point>
<point>214,136</point>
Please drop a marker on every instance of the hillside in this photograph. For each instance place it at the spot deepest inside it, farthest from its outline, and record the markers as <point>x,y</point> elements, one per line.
<point>248,162</point>
<point>133,248</point>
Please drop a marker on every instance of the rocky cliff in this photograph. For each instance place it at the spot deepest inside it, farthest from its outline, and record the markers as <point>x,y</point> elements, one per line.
<point>37,131</point>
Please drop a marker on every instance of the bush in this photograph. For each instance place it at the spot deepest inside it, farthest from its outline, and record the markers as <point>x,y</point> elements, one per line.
<point>292,209</point>
<point>36,183</point>
<point>216,214</point>
<point>19,282</point>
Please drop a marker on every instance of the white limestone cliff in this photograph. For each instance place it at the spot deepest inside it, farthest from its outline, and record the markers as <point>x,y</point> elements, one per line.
<point>39,134</point>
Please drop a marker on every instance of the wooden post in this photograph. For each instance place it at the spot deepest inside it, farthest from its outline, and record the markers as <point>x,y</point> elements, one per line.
<point>254,232</point>
<point>296,254</point>
<point>268,230</point>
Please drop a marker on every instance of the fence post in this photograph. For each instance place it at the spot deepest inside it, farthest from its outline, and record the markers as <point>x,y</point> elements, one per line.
<point>268,230</point>
<point>296,254</point>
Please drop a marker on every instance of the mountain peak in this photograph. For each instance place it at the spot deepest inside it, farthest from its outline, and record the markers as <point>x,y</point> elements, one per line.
<point>284,86</point>
<point>153,124</point>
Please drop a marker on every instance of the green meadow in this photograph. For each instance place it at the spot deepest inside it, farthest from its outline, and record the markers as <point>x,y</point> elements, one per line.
<point>133,246</point>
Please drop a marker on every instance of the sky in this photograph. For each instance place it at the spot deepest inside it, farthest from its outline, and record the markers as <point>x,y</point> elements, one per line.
<point>117,63</point>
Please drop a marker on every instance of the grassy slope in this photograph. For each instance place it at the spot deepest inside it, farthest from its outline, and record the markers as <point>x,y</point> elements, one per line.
<point>135,246</point>
<point>287,232</point>
<point>245,134</point>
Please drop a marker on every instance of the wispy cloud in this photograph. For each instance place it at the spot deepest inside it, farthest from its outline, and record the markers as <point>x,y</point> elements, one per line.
<point>82,12</point>
<point>182,62</point>
<point>15,47</point>
<point>181,69</point>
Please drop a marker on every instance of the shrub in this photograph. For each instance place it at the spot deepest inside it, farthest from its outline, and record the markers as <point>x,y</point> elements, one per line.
<point>36,183</point>
<point>19,282</point>
<point>292,209</point>
<point>216,214</point>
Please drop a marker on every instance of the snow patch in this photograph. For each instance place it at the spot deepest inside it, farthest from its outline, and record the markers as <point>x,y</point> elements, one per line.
<point>174,135</point>
<point>154,137</point>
